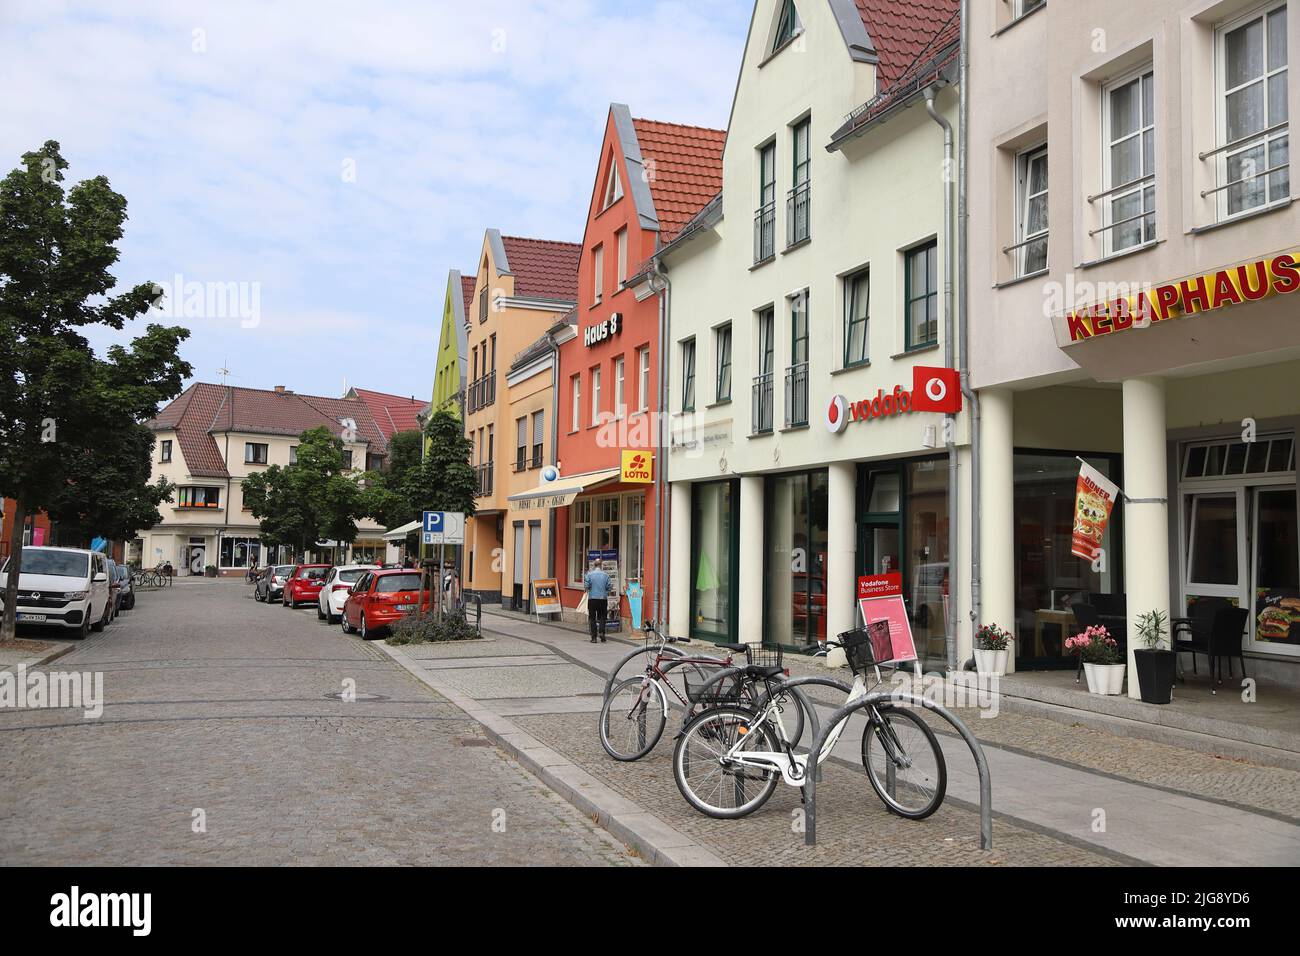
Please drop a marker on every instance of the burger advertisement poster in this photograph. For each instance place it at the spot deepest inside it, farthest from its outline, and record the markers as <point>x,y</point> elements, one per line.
<point>1094,496</point>
<point>1277,615</point>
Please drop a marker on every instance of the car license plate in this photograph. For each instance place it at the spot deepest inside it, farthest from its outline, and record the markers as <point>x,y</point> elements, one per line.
<point>32,618</point>
<point>406,607</point>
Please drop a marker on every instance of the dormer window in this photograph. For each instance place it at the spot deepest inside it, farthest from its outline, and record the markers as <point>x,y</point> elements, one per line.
<point>787,25</point>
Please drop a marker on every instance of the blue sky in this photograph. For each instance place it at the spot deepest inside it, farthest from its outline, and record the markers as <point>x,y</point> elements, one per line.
<point>340,157</point>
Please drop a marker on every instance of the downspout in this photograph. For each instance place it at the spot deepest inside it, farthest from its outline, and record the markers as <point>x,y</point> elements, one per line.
<point>555,437</point>
<point>663,288</point>
<point>949,439</point>
<point>963,283</point>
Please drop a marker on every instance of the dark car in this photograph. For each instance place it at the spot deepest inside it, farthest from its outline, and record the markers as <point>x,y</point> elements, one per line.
<point>270,586</point>
<point>125,593</point>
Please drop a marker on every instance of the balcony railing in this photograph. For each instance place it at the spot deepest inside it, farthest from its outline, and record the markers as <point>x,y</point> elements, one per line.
<point>1259,179</point>
<point>764,233</point>
<point>761,422</point>
<point>484,479</point>
<point>796,395</point>
<point>797,209</point>
<point>482,392</point>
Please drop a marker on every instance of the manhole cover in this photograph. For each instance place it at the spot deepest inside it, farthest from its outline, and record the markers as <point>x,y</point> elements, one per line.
<point>353,696</point>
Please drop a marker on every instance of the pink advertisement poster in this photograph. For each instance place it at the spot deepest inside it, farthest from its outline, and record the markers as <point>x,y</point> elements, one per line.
<point>38,536</point>
<point>891,610</point>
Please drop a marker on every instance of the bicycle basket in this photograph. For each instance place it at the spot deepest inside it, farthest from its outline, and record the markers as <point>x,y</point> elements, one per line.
<point>859,650</point>
<point>763,656</point>
<point>726,691</point>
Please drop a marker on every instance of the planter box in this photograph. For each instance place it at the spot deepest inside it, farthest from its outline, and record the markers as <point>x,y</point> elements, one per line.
<point>1155,671</point>
<point>1106,679</point>
<point>991,663</point>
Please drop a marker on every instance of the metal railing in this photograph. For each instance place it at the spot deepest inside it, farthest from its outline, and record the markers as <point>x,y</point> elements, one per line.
<point>761,422</point>
<point>796,395</point>
<point>798,207</point>
<point>482,392</point>
<point>484,479</point>
<point>764,233</point>
<point>1262,141</point>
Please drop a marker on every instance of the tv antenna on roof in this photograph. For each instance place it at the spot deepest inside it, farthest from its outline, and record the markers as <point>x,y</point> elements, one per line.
<point>224,372</point>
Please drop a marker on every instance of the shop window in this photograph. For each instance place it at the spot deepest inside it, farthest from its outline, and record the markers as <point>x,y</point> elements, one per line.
<point>1268,454</point>
<point>921,295</point>
<point>795,559</point>
<point>1128,172</point>
<point>714,542</point>
<point>579,539</point>
<point>240,552</point>
<point>1030,250</point>
<point>857,312</point>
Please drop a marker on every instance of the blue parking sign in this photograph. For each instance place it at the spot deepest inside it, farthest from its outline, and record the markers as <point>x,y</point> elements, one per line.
<point>432,522</point>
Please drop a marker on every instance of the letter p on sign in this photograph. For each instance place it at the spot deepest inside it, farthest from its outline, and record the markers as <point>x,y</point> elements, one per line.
<point>935,389</point>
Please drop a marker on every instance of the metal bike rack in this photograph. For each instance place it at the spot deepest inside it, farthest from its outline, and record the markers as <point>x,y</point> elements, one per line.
<point>843,713</point>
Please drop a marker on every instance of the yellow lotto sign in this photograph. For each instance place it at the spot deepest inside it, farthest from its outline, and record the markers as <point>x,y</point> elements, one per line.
<point>638,467</point>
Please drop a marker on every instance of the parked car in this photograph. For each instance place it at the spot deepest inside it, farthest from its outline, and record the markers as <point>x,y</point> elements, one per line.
<point>335,588</point>
<point>126,593</point>
<point>303,585</point>
<point>114,589</point>
<point>379,599</point>
<point>270,586</point>
<point>62,587</point>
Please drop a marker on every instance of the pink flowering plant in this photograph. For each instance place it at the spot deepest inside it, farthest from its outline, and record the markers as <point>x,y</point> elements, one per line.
<point>1095,644</point>
<point>990,637</point>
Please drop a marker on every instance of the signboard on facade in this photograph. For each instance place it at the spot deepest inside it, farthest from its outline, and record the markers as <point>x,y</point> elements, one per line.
<point>880,585</point>
<point>637,467</point>
<point>1094,496</point>
<point>841,411</point>
<point>1138,306</point>
<point>443,527</point>
<point>595,334</point>
<point>546,596</point>
<point>936,389</point>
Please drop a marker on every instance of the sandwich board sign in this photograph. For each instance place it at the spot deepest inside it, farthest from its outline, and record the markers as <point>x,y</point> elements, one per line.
<point>546,597</point>
<point>443,527</point>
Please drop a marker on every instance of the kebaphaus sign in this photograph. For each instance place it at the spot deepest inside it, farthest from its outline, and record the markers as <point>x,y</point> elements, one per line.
<point>1233,285</point>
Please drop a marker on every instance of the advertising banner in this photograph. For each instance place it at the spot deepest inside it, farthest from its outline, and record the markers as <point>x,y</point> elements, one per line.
<point>897,630</point>
<point>880,585</point>
<point>1094,496</point>
<point>546,596</point>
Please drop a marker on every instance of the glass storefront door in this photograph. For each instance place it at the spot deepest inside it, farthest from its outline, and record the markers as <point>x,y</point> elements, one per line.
<point>794,563</point>
<point>715,567</point>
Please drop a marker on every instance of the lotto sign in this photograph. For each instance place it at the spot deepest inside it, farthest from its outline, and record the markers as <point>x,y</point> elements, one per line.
<point>638,467</point>
<point>443,527</point>
<point>936,389</point>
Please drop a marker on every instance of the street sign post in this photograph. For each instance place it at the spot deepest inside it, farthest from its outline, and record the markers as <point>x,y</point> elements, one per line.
<point>442,528</point>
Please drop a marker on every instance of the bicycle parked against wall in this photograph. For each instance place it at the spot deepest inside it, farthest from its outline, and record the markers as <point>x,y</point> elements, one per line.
<point>729,758</point>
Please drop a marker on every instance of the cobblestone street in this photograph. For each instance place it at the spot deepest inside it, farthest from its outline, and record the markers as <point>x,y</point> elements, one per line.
<point>218,709</point>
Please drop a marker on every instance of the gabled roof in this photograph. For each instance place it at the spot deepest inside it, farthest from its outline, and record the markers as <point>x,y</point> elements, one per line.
<point>543,269</point>
<point>684,169</point>
<point>392,413</point>
<point>204,410</point>
<point>467,293</point>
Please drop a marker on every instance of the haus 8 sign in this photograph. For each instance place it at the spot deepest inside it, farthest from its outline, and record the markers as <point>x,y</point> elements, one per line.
<point>594,334</point>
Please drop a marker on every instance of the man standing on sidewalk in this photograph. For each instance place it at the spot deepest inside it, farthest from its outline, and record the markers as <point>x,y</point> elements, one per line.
<point>598,584</point>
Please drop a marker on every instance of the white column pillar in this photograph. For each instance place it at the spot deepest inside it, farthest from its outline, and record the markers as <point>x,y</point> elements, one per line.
<point>997,523</point>
<point>1146,523</point>
<point>679,559</point>
<point>841,552</point>
<point>750,613</point>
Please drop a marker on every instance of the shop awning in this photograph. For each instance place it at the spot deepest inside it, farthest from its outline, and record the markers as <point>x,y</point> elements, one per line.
<point>561,491</point>
<point>400,533</point>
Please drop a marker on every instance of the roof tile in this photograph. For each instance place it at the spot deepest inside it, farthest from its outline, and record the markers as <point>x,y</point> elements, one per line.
<point>542,268</point>
<point>686,171</point>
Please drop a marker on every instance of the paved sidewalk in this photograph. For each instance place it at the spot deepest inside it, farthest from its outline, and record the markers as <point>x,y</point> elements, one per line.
<point>1158,803</point>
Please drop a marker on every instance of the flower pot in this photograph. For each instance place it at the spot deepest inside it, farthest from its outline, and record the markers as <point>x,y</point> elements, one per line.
<point>1155,671</point>
<point>1105,679</point>
<point>991,663</point>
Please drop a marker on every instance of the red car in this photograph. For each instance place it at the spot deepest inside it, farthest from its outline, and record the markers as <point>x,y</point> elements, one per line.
<point>303,584</point>
<point>378,599</point>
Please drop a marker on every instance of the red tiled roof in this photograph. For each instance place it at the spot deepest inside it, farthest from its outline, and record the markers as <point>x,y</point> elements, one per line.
<point>392,413</point>
<point>686,170</point>
<point>543,269</point>
<point>901,31</point>
<point>203,410</point>
<point>467,290</point>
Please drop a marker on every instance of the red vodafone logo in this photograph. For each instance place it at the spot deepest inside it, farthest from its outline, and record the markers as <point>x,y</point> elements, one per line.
<point>837,414</point>
<point>936,389</point>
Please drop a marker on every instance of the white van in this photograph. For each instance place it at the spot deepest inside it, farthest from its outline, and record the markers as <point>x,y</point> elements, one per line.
<point>62,587</point>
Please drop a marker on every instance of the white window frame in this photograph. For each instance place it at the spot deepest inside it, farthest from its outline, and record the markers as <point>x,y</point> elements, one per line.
<point>621,242</point>
<point>576,381</point>
<point>613,186</point>
<point>598,272</point>
<point>595,395</point>
<point>620,395</point>
<point>586,525</point>
<point>1024,162</point>
<point>1145,181</point>
<point>643,378</point>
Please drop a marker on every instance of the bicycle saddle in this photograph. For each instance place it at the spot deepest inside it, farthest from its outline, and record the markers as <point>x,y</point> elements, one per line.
<point>738,648</point>
<point>759,672</point>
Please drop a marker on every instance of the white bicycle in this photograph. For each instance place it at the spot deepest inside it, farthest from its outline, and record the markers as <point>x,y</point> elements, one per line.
<point>729,759</point>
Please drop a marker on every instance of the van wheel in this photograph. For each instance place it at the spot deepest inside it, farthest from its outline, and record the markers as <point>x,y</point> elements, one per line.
<point>83,632</point>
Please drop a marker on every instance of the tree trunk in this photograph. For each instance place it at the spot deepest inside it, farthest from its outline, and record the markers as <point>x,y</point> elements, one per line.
<point>8,624</point>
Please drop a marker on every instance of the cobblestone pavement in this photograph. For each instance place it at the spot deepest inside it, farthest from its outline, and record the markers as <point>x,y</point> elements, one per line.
<point>218,707</point>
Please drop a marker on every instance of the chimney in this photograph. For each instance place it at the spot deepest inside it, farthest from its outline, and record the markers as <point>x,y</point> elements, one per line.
<point>279,390</point>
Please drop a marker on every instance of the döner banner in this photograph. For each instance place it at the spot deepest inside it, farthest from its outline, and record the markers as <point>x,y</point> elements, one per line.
<point>1176,299</point>
<point>1094,497</point>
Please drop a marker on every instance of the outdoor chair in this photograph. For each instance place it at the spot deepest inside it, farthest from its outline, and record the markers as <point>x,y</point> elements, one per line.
<point>1221,638</point>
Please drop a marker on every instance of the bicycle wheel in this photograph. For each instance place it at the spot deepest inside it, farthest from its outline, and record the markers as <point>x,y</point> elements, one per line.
<point>707,779</point>
<point>904,763</point>
<point>793,707</point>
<point>632,718</point>
<point>643,657</point>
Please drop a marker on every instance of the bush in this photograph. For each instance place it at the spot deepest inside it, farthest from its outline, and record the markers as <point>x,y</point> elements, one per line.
<point>431,628</point>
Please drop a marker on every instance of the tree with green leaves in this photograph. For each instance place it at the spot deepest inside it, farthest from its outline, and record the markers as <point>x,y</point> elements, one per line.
<point>445,480</point>
<point>73,439</point>
<point>309,500</point>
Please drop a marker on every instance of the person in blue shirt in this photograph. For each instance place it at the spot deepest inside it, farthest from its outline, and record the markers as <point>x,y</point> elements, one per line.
<point>598,585</point>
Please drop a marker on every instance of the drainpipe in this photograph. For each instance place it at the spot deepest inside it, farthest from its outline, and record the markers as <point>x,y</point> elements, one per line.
<point>954,539</point>
<point>963,283</point>
<point>555,437</point>
<point>663,288</point>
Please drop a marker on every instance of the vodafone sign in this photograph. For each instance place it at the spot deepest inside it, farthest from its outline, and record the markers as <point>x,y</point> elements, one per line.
<point>936,389</point>
<point>933,390</point>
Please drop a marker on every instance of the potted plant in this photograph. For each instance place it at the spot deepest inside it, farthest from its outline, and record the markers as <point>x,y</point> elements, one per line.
<point>210,570</point>
<point>1101,661</point>
<point>991,650</point>
<point>1155,661</point>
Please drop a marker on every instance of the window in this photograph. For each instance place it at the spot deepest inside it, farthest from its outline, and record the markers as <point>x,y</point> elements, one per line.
<point>165,449</point>
<point>857,310</point>
<point>192,497</point>
<point>1030,250</point>
<point>254,453</point>
<point>539,437</point>
<point>765,216</point>
<point>579,539</point>
<point>240,552</point>
<point>482,305</point>
<point>576,420</point>
<point>613,185</point>
<point>761,421</point>
<point>1025,7</point>
<point>723,391</point>
<point>1129,165</point>
<point>921,290</point>
<point>608,522</point>
<point>347,459</point>
<point>688,375</point>
<point>621,237</point>
<point>597,272</point>
<point>787,25</point>
<point>492,339</point>
<point>797,204</point>
<point>1252,77</point>
<point>620,405</point>
<point>293,454</point>
<point>643,378</point>
<point>521,443</point>
<point>595,395</point>
<point>796,376</point>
